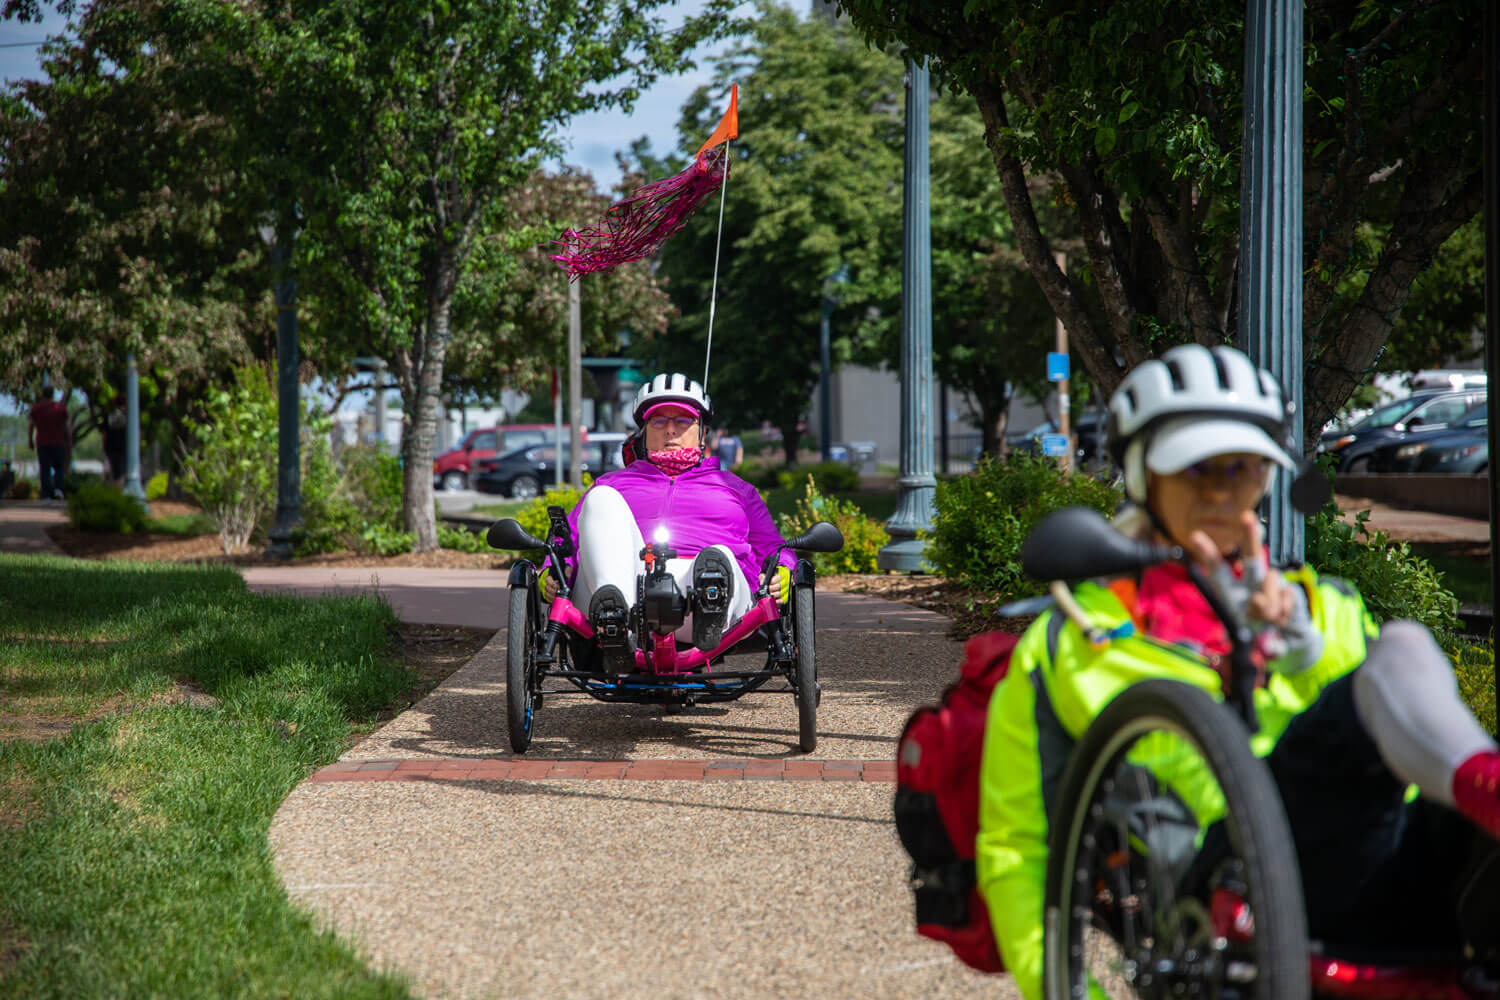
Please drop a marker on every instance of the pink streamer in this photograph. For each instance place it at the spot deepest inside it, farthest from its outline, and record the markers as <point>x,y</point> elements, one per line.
<point>639,225</point>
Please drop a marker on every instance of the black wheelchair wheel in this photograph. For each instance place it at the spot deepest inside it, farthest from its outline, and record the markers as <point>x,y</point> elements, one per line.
<point>1171,870</point>
<point>805,681</point>
<point>520,669</point>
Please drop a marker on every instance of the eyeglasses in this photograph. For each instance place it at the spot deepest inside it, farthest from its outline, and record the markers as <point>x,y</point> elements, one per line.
<point>678,424</point>
<point>1234,473</point>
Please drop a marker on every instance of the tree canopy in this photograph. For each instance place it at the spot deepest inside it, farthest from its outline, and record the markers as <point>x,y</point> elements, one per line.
<point>1136,107</point>
<point>816,185</point>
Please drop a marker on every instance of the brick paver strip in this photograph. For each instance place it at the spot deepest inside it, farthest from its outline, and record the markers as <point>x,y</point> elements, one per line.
<point>520,769</point>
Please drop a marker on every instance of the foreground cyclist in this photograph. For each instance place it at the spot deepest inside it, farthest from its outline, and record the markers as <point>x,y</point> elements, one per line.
<point>713,519</point>
<point>1352,716</point>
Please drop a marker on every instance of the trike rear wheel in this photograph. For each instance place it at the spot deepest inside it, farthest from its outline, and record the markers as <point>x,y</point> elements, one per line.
<point>520,669</point>
<point>1171,870</point>
<point>804,621</point>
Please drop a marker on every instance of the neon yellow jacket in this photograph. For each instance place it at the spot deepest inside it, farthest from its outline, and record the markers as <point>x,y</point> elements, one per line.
<point>1057,683</point>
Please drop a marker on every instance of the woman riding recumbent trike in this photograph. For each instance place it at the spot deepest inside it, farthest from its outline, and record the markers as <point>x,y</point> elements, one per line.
<point>1172,864</point>
<point>557,641</point>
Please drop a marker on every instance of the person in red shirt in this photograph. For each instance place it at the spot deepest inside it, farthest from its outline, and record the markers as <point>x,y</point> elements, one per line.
<point>50,434</point>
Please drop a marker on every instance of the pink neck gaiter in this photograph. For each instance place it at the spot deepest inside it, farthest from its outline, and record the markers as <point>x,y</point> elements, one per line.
<point>674,461</point>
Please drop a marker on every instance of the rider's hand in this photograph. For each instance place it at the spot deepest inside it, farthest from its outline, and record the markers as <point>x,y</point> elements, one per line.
<point>549,584</point>
<point>781,584</point>
<point>1255,594</point>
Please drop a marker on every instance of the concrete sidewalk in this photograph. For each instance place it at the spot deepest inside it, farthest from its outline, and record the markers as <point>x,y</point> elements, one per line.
<point>24,524</point>
<point>634,853</point>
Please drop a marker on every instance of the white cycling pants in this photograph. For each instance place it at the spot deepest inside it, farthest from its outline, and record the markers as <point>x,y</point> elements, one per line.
<point>609,551</point>
<point>1407,697</point>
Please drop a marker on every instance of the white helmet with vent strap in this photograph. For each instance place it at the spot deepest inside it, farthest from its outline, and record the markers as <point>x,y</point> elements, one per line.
<point>671,388</point>
<point>1191,404</point>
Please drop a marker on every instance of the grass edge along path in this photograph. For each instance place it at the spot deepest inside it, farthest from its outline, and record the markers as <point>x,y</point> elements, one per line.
<point>134,858</point>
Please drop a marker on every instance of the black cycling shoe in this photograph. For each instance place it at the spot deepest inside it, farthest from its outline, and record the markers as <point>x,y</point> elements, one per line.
<point>610,617</point>
<point>713,587</point>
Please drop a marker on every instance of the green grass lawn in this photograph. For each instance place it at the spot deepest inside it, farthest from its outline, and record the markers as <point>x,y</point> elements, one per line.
<point>133,852</point>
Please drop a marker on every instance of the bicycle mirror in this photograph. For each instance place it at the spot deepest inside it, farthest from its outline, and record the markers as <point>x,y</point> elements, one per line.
<point>1311,490</point>
<point>1077,543</point>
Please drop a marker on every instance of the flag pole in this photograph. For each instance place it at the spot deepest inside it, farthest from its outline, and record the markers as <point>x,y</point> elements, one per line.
<point>713,294</point>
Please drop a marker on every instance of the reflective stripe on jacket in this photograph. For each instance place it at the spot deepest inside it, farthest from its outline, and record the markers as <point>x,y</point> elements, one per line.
<point>1057,683</point>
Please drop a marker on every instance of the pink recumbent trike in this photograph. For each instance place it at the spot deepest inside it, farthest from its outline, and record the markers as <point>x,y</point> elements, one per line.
<point>558,643</point>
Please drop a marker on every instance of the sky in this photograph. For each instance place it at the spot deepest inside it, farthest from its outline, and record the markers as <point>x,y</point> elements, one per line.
<point>592,139</point>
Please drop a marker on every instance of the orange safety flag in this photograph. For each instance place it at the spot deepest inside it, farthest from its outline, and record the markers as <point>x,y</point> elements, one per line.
<point>729,125</point>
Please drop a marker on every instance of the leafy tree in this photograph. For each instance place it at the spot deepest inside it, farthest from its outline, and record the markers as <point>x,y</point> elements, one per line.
<point>388,139</point>
<point>510,322</point>
<point>1137,107</point>
<point>430,116</point>
<point>125,224</point>
<point>814,184</point>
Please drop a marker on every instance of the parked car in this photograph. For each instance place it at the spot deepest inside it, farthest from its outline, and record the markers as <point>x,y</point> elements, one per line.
<point>1422,413</point>
<point>451,469</point>
<point>1462,449</point>
<point>1087,427</point>
<point>611,443</point>
<point>524,472</point>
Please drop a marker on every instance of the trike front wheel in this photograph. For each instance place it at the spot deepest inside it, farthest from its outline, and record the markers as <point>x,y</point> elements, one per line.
<point>520,670</point>
<point>804,621</point>
<point>1171,869</point>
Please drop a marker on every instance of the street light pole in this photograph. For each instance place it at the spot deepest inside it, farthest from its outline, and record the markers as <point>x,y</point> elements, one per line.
<point>288,453</point>
<point>825,400</point>
<point>906,551</point>
<point>1270,292</point>
<point>133,430</point>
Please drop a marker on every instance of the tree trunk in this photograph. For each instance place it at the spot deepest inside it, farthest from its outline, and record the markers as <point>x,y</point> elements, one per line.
<point>421,389</point>
<point>992,411</point>
<point>790,438</point>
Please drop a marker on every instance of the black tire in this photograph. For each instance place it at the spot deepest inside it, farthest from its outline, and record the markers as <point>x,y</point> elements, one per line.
<point>1118,910</point>
<point>520,670</point>
<point>1359,466</point>
<point>525,488</point>
<point>804,623</point>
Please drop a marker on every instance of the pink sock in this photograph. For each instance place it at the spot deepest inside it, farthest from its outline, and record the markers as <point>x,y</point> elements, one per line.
<point>1476,791</point>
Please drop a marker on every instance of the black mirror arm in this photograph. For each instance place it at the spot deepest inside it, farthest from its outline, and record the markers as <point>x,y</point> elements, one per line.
<point>1241,666</point>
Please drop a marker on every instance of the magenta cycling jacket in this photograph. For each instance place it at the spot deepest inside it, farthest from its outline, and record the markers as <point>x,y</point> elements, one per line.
<point>700,507</point>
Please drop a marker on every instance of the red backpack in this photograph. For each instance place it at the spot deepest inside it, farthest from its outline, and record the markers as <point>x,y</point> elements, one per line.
<point>937,803</point>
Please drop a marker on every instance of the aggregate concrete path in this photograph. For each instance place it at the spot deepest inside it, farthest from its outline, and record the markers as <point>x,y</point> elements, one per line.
<point>24,523</point>
<point>634,853</point>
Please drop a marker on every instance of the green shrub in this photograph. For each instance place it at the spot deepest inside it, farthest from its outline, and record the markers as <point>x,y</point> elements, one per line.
<point>23,489</point>
<point>384,541</point>
<point>1394,582</point>
<point>156,486</point>
<point>983,518</point>
<point>832,477</point>
<point>864,537</point>
<point>105,507</point>
<point>533,517</point>
<point>73,481</point>
<point>345,495</point>
<point>1474,665</point>
<point>231,469</point>
<point>196,523</point>
<point>461,539</point>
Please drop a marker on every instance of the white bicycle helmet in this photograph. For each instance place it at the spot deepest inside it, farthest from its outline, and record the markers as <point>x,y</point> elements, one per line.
<point>671,388</point>
<point>1192,403</point>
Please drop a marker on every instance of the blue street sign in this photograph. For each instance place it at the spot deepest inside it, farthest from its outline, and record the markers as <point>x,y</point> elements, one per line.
<point>1054,444</point>
<point>1057,366</point>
